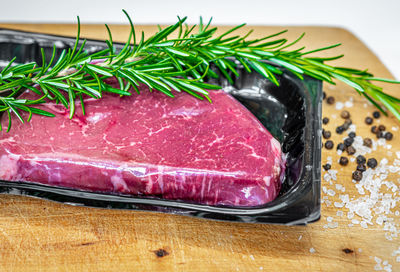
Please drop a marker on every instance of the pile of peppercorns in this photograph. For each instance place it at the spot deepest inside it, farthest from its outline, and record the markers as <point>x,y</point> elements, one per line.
<point>379,131</point>
<point>346,145</point>
<point>361,160</point>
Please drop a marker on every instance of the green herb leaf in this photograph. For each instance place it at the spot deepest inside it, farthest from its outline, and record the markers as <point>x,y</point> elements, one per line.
<point>176,58</point>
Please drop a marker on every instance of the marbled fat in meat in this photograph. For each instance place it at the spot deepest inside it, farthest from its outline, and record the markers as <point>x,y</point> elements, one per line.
<point>149,144</point>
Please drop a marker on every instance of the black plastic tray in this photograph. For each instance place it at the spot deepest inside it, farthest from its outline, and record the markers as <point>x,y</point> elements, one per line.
<point>291,112</point>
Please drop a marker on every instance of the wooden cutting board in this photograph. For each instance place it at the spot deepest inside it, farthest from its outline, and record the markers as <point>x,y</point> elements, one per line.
<point>39,235</point>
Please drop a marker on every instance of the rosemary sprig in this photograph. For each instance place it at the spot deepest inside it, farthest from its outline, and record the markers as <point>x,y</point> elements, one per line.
<point>172,64</point>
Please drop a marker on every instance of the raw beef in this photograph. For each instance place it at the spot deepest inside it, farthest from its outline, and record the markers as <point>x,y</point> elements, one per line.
<point>174,148</point>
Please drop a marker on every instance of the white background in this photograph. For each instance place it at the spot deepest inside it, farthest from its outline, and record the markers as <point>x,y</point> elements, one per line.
<point>376,23</point>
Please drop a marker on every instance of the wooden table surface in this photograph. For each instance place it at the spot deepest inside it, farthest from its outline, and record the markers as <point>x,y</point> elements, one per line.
<point>39,235</point>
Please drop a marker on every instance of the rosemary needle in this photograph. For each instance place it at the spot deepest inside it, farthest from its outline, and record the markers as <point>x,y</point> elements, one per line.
<point>172,65</point>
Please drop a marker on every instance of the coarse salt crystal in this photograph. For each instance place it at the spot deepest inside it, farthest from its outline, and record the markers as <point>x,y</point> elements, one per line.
<point>388,268</point>
<point>344,198</point>
<point>339,105</point>
<point>328,177</point>
<point>333,225</point>
<point>388,236</point>
<point>364,225</point>
<point>329,219</point>
<point>312,250</point>
<point>348,104</point>
<point>394,253</point>
<point>393,169</point>
<point>338,205</point>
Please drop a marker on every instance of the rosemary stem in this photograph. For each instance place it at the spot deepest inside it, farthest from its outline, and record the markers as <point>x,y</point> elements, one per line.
<point>168,64</point>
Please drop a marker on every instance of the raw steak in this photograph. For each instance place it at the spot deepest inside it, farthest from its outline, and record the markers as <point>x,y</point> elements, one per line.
<point>149,144</point>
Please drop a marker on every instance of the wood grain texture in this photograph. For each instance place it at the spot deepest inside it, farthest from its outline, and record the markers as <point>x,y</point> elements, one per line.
<point>39,235</point>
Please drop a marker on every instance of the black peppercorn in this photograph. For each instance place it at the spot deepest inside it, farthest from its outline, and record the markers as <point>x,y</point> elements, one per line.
<point>330,100</point>
<point>381,128</point>
<point>352,134</point>
<point>347,124</point>
<point>348,141</point>
<point>325,120</point>
<point>361,159</point>
<point>376,114</point>
<point>345,114</point>
<point>326,166</point>
<point>326,134</point>
<point>368,120</point>
<point>329,144</point>
<point>380,134</point>
<point>351,150</point>
<point>323,95</point>
<point>361,167</point>
<point>340,129</point>
<point>341,147</point>
<point>374,129</point>
<point>357,175</point>
<point>372,163</point>
<point>367,142</point>
<point>388,136</point>
<point>343,161</point>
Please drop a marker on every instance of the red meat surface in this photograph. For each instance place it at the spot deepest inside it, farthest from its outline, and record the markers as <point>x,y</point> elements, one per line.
<point>174,148</point>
